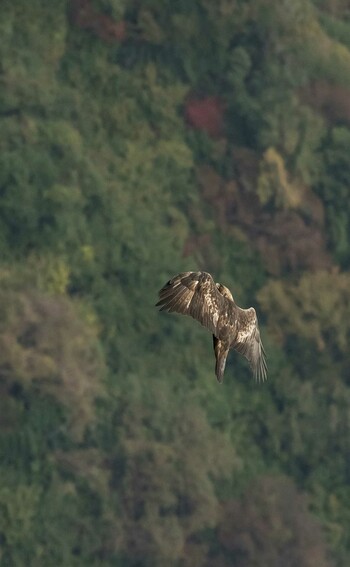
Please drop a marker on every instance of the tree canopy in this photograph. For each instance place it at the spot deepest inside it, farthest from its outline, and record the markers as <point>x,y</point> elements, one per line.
<point>139,140</point>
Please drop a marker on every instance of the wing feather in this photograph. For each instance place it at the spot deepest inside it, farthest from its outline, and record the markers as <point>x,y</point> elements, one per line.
<point>195,294</point>
<point>249,344</point>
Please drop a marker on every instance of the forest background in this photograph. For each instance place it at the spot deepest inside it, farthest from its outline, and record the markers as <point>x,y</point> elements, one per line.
<point>140,139</point>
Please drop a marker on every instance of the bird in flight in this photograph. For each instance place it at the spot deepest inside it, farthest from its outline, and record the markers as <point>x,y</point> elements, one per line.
<point>196,294</point>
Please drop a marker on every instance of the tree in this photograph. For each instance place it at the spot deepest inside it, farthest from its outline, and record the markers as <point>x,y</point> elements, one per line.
<point>271,526</point>
<point>165,472</point>
<point>48,349</point>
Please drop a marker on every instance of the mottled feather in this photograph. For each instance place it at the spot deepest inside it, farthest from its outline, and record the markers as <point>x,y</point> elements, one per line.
<point>221,352</point>
<point>197,295</point>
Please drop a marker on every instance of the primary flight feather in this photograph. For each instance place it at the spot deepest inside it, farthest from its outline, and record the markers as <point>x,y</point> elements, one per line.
<point>196,294</point>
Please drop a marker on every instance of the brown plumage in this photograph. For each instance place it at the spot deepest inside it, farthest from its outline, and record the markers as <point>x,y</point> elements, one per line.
<point>197,295</point>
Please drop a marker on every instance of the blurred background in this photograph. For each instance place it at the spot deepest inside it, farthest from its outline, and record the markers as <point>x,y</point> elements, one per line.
<point>137,140</point>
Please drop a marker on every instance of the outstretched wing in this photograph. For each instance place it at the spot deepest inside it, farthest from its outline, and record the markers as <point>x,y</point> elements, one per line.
<point>195,294</point>
<point>248,343</point>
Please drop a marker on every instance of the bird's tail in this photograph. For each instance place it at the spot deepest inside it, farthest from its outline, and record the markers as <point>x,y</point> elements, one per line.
<point>221,352</point>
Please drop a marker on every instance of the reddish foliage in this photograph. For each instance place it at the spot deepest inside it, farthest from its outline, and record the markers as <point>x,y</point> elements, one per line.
<point>337,8</point>
<point>333,101</point>
<point>85,16</point>
<point>286,239</point>
<point>287,242</point>
<point>271,526</point>
<point>206,114</point>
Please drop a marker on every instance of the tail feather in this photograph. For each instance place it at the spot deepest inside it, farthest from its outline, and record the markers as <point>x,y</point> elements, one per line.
<point>221,352</point>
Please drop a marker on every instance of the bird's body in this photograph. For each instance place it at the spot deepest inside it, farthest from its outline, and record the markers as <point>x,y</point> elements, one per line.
<point>197,295</point>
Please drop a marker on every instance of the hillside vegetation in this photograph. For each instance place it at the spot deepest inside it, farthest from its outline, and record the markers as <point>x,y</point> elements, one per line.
<point>138,140</point>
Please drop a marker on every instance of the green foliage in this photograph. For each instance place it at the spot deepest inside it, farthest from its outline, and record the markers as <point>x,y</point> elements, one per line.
<point>333,187</point>
<point>18,505</point>
<point>180,456</point>
<point>31,52</point>
<point>118,446</point>
<point>336,28</point>
<point>315,309</point>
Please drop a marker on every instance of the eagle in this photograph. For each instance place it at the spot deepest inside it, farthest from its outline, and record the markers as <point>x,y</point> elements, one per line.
<point>196,294</point>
